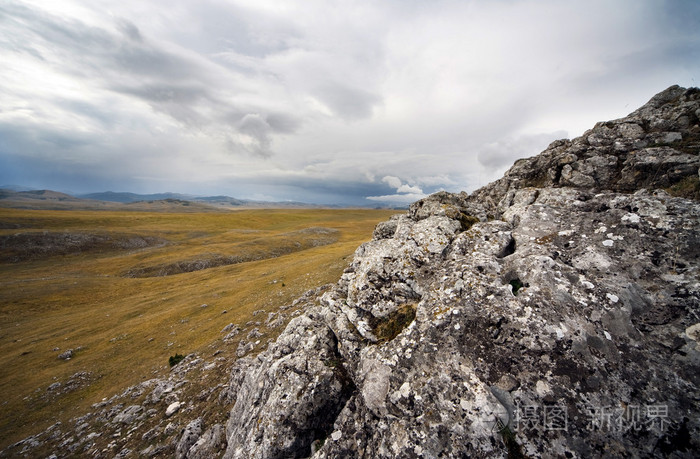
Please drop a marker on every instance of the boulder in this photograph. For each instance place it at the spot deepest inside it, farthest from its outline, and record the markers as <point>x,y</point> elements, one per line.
<point>172,409</point>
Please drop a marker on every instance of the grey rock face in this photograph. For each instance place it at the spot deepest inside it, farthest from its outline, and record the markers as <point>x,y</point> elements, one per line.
<point>551,313</point>
<point>189,437</point>
<point>291,394</point>
<point>210,444</point>
<point>653,147</point>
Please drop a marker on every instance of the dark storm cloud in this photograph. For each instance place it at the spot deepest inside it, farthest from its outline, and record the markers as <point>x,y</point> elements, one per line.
<point>178,99</point>
<point>321,191</point>
<point>93,50</point>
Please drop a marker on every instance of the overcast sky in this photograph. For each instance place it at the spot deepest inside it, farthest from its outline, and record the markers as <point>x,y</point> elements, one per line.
<point>347,102</point>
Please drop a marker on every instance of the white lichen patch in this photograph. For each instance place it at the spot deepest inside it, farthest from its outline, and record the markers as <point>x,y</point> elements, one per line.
<point>630,218</point>
<point>587,285</point>
<point>693,332</point>
<point>542,388</point>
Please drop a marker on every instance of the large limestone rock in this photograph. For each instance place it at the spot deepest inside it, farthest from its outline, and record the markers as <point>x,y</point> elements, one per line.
<point>655,146</point>
<point>290,395</point>
<point>555,312</point>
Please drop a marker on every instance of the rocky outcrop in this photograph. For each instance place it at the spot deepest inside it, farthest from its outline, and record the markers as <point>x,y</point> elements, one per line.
<point>656,146</point>
<point>552,313</point>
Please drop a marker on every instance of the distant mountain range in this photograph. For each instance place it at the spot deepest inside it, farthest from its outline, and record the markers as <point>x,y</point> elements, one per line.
<point>227,201</point>
<point>124,197</point>
<point>18,196</point>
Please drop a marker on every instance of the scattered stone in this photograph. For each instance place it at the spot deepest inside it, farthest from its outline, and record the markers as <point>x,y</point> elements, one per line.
<point>172,409</point>
<point>209,366</point>
<point>244,347</point>
<point>235,330</point>
<point>254,333</point>
<point>170,429</point>
<point>66,355</point>
<point>129,415</point>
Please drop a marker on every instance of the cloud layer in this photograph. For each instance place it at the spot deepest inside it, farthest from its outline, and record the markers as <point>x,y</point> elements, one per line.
<point>328,102</point>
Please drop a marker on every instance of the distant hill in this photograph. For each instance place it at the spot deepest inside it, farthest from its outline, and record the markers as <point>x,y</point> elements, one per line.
<point>125,197</point>
<point>223,200</point>
<point>54,200</point>
<point>111,200</point>
<point>37,195</point>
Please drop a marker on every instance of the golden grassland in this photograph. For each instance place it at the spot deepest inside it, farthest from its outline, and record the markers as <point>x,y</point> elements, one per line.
<point>123,329</point>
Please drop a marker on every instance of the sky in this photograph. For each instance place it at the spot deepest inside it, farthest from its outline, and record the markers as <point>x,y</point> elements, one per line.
<point>330,102</point>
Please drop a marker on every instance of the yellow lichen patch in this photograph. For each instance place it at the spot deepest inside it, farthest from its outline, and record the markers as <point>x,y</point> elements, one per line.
<point>440,310</point>
<point>546,239</point>
<point>387,328</point>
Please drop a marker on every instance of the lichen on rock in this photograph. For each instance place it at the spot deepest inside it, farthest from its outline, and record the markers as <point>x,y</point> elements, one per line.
<point>435,356</point>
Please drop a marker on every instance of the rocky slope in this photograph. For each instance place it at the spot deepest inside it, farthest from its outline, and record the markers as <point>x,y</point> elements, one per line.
<point>552,313</point>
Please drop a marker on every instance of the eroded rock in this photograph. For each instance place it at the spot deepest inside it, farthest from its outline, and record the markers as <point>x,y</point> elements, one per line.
<point>557,306</point>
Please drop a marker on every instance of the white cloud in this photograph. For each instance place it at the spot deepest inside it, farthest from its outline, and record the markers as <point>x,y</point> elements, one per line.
<point>392,181</point>
<point>404,193</point>
<point>409,189</point>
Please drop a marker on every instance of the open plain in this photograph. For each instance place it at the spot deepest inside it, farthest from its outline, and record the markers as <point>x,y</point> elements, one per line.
<point>116,293</point>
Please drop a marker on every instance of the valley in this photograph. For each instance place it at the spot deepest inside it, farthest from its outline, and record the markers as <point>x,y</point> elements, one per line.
<point>124,291</point>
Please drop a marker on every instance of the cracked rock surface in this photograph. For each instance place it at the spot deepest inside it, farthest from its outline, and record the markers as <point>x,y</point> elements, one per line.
<point>552,313</point>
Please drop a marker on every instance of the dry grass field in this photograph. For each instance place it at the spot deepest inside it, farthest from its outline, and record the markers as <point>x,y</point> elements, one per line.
<point>126,290</point>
